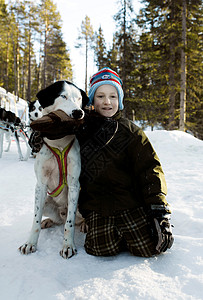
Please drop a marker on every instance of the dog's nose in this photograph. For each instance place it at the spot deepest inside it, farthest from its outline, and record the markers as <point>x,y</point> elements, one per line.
<point>77,113</point>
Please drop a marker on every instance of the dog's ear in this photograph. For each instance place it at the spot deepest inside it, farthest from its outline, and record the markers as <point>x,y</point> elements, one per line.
<point>41,96</point>
<point>85,99</point>
<point>31,102</point>
<point>48,95</point>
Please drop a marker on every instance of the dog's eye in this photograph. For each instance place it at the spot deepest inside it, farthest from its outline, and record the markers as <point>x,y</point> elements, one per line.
<point>64,96</point>
<point>40,108</point>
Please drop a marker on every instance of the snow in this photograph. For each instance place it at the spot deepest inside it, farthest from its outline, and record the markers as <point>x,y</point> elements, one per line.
<point>176,274</point>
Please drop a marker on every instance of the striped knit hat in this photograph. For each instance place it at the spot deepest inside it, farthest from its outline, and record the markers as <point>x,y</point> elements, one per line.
<point>106,76</point>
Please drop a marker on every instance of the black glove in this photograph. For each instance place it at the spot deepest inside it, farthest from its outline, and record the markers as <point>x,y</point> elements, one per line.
<point>36,141</point>
<point>161,227</point>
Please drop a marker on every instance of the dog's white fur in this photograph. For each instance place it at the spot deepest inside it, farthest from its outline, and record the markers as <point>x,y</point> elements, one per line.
<point>46,170</point>
<point>4,132</point>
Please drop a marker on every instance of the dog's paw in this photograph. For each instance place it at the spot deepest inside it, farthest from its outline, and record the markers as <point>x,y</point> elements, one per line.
<point>68,252</point>
<point>27,248</point>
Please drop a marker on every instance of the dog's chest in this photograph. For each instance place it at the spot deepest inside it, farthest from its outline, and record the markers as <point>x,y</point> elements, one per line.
<point>50,171</point>
<point>50,168</point>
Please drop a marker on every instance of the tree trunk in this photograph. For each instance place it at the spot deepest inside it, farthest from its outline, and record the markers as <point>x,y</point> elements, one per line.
<point>172,92</point>
<point>183,70</point>
<point>124,57</point>
<point>29,67</point>
<point>17,70</point>
<point>14,65</point>
<point>86,58</point>
<point>40,67</point>
<point>7,60</point>
<point>45,53</point>
<point>124,46</point>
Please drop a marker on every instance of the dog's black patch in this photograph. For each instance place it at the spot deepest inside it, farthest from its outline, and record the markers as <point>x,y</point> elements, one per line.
<point>9,116</point>
<point>48,95</point>
<point>2,114</point>
<point>31,106</point>
<point>85,99</point>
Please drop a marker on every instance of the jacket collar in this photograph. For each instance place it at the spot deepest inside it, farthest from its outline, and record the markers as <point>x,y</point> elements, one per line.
<point>117,115</point>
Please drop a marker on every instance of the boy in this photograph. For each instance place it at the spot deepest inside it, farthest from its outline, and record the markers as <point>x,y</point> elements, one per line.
<point>123,187</point>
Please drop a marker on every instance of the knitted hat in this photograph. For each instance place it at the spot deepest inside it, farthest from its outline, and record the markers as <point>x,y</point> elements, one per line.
<point>106,76</point>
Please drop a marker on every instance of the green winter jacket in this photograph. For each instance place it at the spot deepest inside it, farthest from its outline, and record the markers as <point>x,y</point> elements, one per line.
<point>120,169</point>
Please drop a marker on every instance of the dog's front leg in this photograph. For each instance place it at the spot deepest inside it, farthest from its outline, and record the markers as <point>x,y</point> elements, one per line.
<point>40,197</point>
<point>69,248</point>
<point>8,140</point>
<point>18,145</point>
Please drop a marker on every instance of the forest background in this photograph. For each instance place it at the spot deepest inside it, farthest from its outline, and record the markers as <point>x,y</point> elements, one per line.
<point>157,53</point>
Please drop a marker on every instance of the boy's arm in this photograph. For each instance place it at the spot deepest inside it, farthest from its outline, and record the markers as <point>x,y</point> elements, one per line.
<point>153,185</point>
<point>148,171</point>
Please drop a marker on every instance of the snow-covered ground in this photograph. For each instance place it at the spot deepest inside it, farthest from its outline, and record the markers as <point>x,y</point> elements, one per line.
<point>177,274</point>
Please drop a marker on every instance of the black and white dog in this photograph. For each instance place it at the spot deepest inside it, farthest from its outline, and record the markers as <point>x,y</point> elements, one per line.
<point>34,113</point>
<point>11,126</point>
<point>34,110</point>
<point>62,187</point>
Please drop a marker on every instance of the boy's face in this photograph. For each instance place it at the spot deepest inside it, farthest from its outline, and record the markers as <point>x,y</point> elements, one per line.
<point>106,100</point>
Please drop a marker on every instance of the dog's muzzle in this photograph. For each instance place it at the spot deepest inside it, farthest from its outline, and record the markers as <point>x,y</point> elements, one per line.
<point>77,114</point>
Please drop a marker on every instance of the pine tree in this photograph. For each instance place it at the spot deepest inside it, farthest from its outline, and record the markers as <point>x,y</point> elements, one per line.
<point>4,44</point>
<point>123,38</point>
<point>100,49</point>
<point>183,68</point>
<point>58,60</point>
<point>26,26</point>
<point>86,34</point>
<point>30,30</point>
<point>194,107</point>
<point>17,12</point>
<point>163,21</point>
<point>50,24</point>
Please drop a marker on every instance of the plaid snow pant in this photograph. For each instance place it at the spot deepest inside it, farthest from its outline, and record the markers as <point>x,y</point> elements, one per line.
<point>126,230</point>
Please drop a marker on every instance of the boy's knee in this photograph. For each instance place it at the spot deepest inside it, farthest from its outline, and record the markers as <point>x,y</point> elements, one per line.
<point>144,251</point>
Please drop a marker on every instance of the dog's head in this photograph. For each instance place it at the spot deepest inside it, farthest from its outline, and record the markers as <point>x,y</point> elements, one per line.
<point>35,110</point>
<point>65,96</point>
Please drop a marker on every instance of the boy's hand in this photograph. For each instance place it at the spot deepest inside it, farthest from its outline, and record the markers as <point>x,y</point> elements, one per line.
<point>36,141</point>
<point>164,234</point>
<point>161,227</point>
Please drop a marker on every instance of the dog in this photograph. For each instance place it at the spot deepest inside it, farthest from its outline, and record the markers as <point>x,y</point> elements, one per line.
<point>34,113</point>
<point>62,207</point>
<point>34,110</point>
<point>11,126</point>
